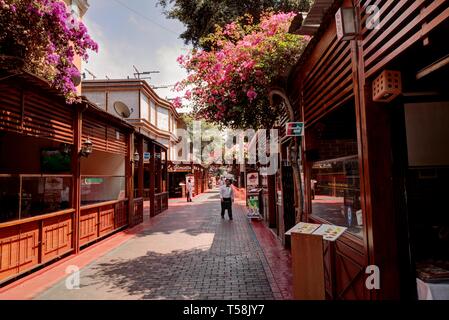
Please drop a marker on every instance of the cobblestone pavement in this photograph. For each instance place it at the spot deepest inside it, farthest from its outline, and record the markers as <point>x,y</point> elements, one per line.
<point>191,253</point>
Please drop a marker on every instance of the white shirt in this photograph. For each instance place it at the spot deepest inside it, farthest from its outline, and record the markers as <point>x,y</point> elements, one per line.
<point>226,192</point>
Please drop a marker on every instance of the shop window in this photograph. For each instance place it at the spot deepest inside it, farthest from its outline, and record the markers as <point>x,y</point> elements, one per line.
<point>98,189</point>
<point>9,198</point>
<point>26,196</point>
<point>335,179</point>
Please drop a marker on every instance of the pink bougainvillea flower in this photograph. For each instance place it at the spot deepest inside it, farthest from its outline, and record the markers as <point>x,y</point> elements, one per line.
<point>51,40</point>
<point>177,102</point>
<point>251,94</point>
<point>242,62</point>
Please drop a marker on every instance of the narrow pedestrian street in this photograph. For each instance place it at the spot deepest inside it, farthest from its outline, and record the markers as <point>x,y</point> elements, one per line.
<point>190,253</point>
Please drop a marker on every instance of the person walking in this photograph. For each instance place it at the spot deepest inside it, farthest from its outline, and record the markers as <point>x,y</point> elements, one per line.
<point>227,198</point>
<point>189,188</point>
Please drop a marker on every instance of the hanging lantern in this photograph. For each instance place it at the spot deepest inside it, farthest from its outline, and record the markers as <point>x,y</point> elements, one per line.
<point>346,21</point>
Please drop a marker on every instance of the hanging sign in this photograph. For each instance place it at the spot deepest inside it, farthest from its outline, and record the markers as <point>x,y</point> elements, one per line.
<point>146,156</point>
<point>294,129</point>
<point>252,180</point>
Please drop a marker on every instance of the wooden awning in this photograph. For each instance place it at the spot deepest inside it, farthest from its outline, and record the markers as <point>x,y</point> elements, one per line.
<point>29,106</point>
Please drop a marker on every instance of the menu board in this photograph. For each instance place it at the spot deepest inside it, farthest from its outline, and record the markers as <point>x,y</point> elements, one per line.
<point>330,232</point>
<point>327,231</point>
<point>302,227</point>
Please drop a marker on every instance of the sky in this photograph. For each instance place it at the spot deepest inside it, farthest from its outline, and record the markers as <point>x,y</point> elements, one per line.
<point>139,35</point>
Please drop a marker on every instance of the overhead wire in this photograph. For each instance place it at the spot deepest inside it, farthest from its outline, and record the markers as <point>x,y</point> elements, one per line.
<point>145,17</point>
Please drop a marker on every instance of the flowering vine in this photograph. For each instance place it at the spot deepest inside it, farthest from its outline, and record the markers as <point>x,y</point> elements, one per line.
<point>229,84</point>
<point>48,38</point>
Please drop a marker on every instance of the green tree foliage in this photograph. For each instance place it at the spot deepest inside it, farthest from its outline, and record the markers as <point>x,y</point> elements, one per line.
<point>202,16</point>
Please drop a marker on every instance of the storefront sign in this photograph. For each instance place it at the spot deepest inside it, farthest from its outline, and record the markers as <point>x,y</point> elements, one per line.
<point>88,181</point>
<point>252,180</point>
<point>180,168</point>
<point>294,129</point>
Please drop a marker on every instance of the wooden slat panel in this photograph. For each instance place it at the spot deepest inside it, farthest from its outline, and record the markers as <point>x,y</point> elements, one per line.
<point>137,217</point>
<point>103,136</point>
<point>18,249</point>
<point>42,117</point>
<point>329,81</point>
<point>120,215</point>
<point>56,237</point>
<point>400,28</point>
<point>106,220</point>
<point>88,225</point>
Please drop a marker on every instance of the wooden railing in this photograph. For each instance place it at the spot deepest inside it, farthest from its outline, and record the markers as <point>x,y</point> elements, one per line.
<point>98,220</point>
<point>137,217</point>
<point>28,243</point>
<point>160,202</point>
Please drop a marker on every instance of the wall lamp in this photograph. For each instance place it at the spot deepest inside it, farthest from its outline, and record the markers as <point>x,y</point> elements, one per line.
<point>347,24</point>
<point>136,157</point>
<point>86,148</point>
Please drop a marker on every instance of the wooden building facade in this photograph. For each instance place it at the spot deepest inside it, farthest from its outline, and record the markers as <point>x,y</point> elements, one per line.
<point>65,175</point>
<point>376,163</point>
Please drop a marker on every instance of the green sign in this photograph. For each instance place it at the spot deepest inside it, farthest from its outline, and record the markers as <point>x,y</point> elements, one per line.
<point>294,129</point>
<point>253,206</point>
<point>93,180</point>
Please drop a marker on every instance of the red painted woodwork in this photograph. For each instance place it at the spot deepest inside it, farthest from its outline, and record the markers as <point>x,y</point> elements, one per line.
<point>88,225</point>
<point>26,244</point>
<point>106,220</point>
<point>56,237</point>
<point>19,249</point>
<point>100,220</point>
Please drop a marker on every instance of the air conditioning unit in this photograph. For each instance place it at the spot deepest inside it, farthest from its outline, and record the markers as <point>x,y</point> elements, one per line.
<point>387,86</point>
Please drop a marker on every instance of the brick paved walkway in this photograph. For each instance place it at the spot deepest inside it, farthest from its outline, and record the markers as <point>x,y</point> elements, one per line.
<point>191,253</point>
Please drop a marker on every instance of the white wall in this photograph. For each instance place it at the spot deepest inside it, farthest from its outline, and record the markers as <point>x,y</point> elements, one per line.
<point>164,142</point>
<point>152,112</point>
<point>144,107</point>
<point>427,126</point>
<point>162,118</point>
<point>103,163</point>
<point>99,98</point>
<point>130,98</point>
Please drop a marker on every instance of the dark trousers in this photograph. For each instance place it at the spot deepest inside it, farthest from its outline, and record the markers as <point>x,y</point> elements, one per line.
<point>226,204</point>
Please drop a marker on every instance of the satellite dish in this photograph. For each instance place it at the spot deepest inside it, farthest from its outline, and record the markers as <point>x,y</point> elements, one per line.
<point>122,109</point>
<point>76,80</point>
